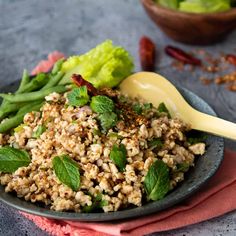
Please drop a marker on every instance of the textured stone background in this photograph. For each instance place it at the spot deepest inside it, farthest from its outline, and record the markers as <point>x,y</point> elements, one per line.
<point>30,29</point>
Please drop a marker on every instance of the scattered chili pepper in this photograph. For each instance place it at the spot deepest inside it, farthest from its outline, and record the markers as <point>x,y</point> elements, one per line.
<point>180,55</point>
<point>80,81</point>
<point>231,59</point>
<point>232,87</point>
<point>147,53</point>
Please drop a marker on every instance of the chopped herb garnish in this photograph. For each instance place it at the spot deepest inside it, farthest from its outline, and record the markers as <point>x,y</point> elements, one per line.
<point>40,130</point>
<point>142,108</point>
<point>195,136</point>
<point>155,143</point>
<point>97,132</point>
<point>182,167</point>
<point>78,96</point>
<point>123,99</point>
<point>97,204</point>
<point>114,135</point>
<point>138,108</point>
<point>163,109</point>
<point>147,106</point>
<point>19,128</point>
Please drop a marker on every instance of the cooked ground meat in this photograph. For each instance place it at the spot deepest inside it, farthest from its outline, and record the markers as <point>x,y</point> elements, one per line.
<point>72,131</point>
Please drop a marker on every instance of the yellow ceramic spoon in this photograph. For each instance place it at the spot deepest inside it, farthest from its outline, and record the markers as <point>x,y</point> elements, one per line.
<point>156,89</point>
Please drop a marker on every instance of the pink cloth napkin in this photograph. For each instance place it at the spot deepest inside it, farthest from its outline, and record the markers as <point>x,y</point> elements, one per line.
<point>216,198</point>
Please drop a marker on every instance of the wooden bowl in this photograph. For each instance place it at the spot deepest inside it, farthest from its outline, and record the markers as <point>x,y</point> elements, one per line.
<point>191,28</point>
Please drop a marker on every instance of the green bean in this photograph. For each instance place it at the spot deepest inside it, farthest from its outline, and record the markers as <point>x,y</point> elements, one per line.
<point>9,108</point>
<point>36,83</point>
<point>54,80</point>
<point>18,118</point>
<point>10,123</point>
<point>24,81</point>
<point>32,106</point>
<point>57,66</point>
<point>32,96</point>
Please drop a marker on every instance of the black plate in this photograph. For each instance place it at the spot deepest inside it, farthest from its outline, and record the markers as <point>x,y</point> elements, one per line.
<point>204,169</point>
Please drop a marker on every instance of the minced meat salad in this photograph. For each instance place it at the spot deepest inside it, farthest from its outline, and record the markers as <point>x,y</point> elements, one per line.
<point>92,150</point>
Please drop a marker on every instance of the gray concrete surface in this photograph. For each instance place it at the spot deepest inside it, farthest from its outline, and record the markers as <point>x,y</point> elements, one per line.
<point>30,29</point>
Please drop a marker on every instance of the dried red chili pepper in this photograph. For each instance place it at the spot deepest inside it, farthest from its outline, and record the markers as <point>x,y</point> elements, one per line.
<point>231,59</point>
<point>180,55</point>
<point>80,81</point>
<point>147,54</point>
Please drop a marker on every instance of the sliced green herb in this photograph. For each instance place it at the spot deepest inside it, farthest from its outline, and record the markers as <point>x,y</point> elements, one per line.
<point>78,96</point>
<point>155,143</point>
<point>19,128</point>
<point>97,132</point>
<point>102,104</point>
<point>157,181</point>
<point>138,108</point>
<point>97,204</point>
<point>67,171</point>
<point>162,108</point>
<point>114,135</point>
<point>11,159</point>
<point>118,156</point>
<point>147,106</point>
<point>40,130</point>
<point>182,167</point>
<point>123,98</point>
<point>107,120</point>
<point>194,137</point>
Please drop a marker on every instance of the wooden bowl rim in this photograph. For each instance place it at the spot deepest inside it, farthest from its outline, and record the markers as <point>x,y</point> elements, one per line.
<point>168,11</point>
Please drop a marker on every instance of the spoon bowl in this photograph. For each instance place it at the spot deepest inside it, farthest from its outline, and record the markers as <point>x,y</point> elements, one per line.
<point>155,88</point>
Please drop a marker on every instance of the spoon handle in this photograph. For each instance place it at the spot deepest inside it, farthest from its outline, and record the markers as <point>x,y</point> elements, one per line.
<point>214,125</point>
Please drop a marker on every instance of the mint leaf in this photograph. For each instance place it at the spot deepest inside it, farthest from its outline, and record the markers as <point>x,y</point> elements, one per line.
<point>40,130</point>
<point>118,156</point>
<point>155,143</point>
<point>67,171</point>
<point>107,120</point>
<point>11,159</point>
<point>162,109</point>
<point>102,104</point>
<point>78,96</point>
<point>157,181</point>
